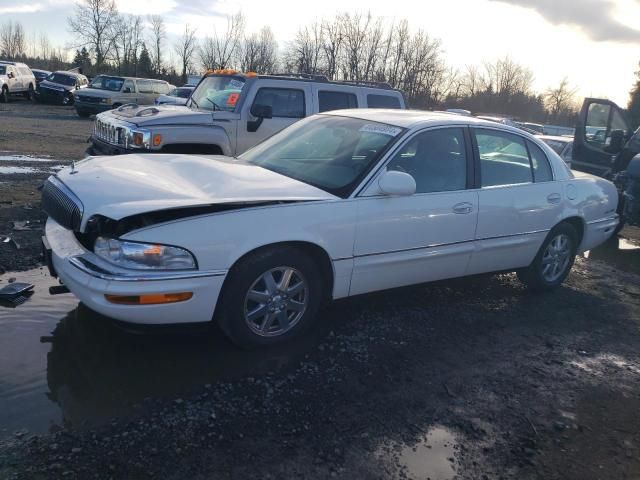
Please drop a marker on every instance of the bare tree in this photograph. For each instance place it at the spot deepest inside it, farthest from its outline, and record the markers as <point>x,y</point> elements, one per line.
<point>127,43</point>
<point>185,47</point>
<point>221,51</point>
<point>332,37</point>
<point>12,40</point>
<point>259,52</point>
<point>304,52</point>
<point>93,26</point>
<point>560,100</point>
<point>505,78</point>
<point>158,36</point>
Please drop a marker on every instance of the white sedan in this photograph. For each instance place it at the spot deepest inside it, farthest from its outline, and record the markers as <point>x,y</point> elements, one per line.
<point>177,96</point>
<point>336,205</point>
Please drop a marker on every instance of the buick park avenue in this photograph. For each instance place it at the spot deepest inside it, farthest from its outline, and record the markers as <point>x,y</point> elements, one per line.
<point>338,204</point>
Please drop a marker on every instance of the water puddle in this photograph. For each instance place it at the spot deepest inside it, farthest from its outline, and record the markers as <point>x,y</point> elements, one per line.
<point>15,170</point>
<point>431,458</point>
<point>63,364</point>
<point>619,253</point>
<point>24,158</point>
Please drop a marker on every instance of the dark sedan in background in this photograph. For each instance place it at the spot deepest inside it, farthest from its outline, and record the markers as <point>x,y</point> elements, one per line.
<point>59,87</point>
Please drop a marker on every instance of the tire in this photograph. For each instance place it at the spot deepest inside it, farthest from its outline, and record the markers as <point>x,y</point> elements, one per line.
<point>67,100</point>
<point>553,261</point>
<point>253,295</point>
<point>83,114</point>
<point>4,95</point>
<point>29,94</point>
<point>116,106</point>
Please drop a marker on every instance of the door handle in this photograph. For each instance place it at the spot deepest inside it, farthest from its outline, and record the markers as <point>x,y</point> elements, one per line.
<point>554,198</point>
<point>463,208</point>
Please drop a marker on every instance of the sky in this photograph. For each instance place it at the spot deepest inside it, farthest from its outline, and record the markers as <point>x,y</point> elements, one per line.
<point>595,43</point>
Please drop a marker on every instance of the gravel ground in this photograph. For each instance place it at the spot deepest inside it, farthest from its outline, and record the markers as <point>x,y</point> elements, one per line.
<point>528,386</point>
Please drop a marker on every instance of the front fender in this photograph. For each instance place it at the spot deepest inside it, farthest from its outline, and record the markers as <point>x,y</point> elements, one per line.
<point>194,134</point>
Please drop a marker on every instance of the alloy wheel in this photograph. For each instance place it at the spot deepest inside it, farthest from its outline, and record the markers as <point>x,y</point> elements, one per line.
<point>556,258</point>
<point>276,301</point>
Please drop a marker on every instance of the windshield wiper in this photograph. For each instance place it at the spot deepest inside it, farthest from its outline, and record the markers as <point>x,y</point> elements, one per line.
<point>195,103</point>
<point>215,105</point>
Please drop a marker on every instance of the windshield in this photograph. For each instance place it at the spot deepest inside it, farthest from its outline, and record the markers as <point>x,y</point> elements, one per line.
<point>113,84</point>
<point>3,70</point>
<point>332,153</point>
<point>217,93</point>
<point>62,79</point>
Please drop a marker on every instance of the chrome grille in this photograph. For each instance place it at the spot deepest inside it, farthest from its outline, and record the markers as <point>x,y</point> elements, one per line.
<point>61,204</point>
<point>108,133</point>
<point>89,99</point>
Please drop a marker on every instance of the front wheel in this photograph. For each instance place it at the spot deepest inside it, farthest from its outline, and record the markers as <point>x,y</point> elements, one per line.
<point>68,99</point>
<point>4,95</point>
<point>270,297</point>
<point>553,261</point>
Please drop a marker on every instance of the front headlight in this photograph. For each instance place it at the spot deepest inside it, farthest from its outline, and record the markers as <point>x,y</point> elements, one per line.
<point>143,256</point>
<point>138,138</point>
<point>106,101</point>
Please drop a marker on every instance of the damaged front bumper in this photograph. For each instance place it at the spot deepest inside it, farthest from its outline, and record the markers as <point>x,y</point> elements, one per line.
<point>92,279</point>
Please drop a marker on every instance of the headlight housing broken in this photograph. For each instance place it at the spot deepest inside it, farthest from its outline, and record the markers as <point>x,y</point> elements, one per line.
<point>143,256</point>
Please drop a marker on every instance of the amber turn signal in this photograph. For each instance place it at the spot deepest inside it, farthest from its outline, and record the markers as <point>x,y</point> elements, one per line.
<point>152,299</point>
<point>157,140</point>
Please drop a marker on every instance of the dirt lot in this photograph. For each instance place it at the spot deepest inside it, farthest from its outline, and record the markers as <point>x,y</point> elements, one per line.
<point>469,379</point>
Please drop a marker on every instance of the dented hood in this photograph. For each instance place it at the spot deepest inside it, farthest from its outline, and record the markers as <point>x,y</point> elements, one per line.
<point>153,115</point>
<point>121,186</point>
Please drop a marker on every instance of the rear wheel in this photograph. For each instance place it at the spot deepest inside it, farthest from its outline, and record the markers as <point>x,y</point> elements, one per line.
<point>4,95</point>
<point>29,94</point>
<point>553,261</point>
<point>270,297</point>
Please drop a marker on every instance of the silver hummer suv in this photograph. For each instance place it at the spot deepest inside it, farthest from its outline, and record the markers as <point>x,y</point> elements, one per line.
<point>229,112</point>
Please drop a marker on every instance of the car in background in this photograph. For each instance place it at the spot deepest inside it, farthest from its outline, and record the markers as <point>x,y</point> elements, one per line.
<point>60,87</point>
<point>459,111</point>
<point>336,205</point>
<point>177,96</point>
<point>563,146</point>
<point>16,79</point>
<point>229,112</point>
<point>40,75</point>
<point>106,92</point>
<point>533,127</point>
<point>605,145</point>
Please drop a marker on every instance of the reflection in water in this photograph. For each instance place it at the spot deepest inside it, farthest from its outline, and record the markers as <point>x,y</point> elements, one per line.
<point>432,457</point>
<point>619,253</point>
<point>54,350</point>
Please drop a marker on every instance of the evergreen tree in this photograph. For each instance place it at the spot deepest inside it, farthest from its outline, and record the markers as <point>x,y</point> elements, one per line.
<point>145,65</point>
<point>634,102</point>
<point>82,59</point>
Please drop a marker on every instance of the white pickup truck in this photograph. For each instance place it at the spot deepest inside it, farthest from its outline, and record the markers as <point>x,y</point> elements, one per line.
<point>230,112</point>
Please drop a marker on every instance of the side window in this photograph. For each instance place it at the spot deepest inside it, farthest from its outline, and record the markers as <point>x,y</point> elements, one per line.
<point>129,87</point>
<point>540,163</point>
<point>597,121</point>
<point>328,100</point>
<point>382,101</point>
<point>145,86</point>
<point>285,102</point>
<point>436,159</point>
<point>503,159</point>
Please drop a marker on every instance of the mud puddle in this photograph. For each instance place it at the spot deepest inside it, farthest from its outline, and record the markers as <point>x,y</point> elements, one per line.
<point>433,457</point>
<point>63,364</point>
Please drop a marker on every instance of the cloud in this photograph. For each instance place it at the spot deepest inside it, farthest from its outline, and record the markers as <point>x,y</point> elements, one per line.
<point>596,18</point>
<point>29,8</point>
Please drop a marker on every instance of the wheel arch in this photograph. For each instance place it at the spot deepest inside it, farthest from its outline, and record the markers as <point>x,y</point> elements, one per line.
<point>317,253</point>
<point>577,223</point>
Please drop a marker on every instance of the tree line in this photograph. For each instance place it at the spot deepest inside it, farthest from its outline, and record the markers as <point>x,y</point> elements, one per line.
<point>349,46</point>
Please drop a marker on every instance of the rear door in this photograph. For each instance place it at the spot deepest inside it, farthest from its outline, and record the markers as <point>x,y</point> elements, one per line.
<point>289,103</point>
<point>601,134</point>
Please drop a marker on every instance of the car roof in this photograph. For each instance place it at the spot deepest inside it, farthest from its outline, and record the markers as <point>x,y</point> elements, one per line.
<point>66,72</point>
<point>415,118</point>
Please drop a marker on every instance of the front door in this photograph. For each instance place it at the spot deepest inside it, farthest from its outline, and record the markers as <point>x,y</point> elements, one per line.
<point>288,104</point>
<point>518,201</point>
<point>403,240</point>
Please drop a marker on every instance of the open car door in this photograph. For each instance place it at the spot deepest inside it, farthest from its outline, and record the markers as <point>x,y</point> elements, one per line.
<point>602,133</point>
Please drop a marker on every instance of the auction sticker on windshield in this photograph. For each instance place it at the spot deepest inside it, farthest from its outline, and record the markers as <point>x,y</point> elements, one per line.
<point>379,128</point>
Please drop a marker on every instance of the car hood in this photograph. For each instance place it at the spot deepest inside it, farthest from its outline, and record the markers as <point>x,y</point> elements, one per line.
<point>55,86</point>
<point>148,116</point>
<point>120,186</point>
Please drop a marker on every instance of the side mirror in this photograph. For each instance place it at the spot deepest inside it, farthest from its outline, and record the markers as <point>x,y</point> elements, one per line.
<point>397,184</point>
<point>127,90</point>
<point>10,75</point>
<point>262,112</point>
<point>617,141</point>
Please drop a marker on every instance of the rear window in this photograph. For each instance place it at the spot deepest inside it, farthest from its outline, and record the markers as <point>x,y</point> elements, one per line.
<point>382,101</point>
<point>328,101</point>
